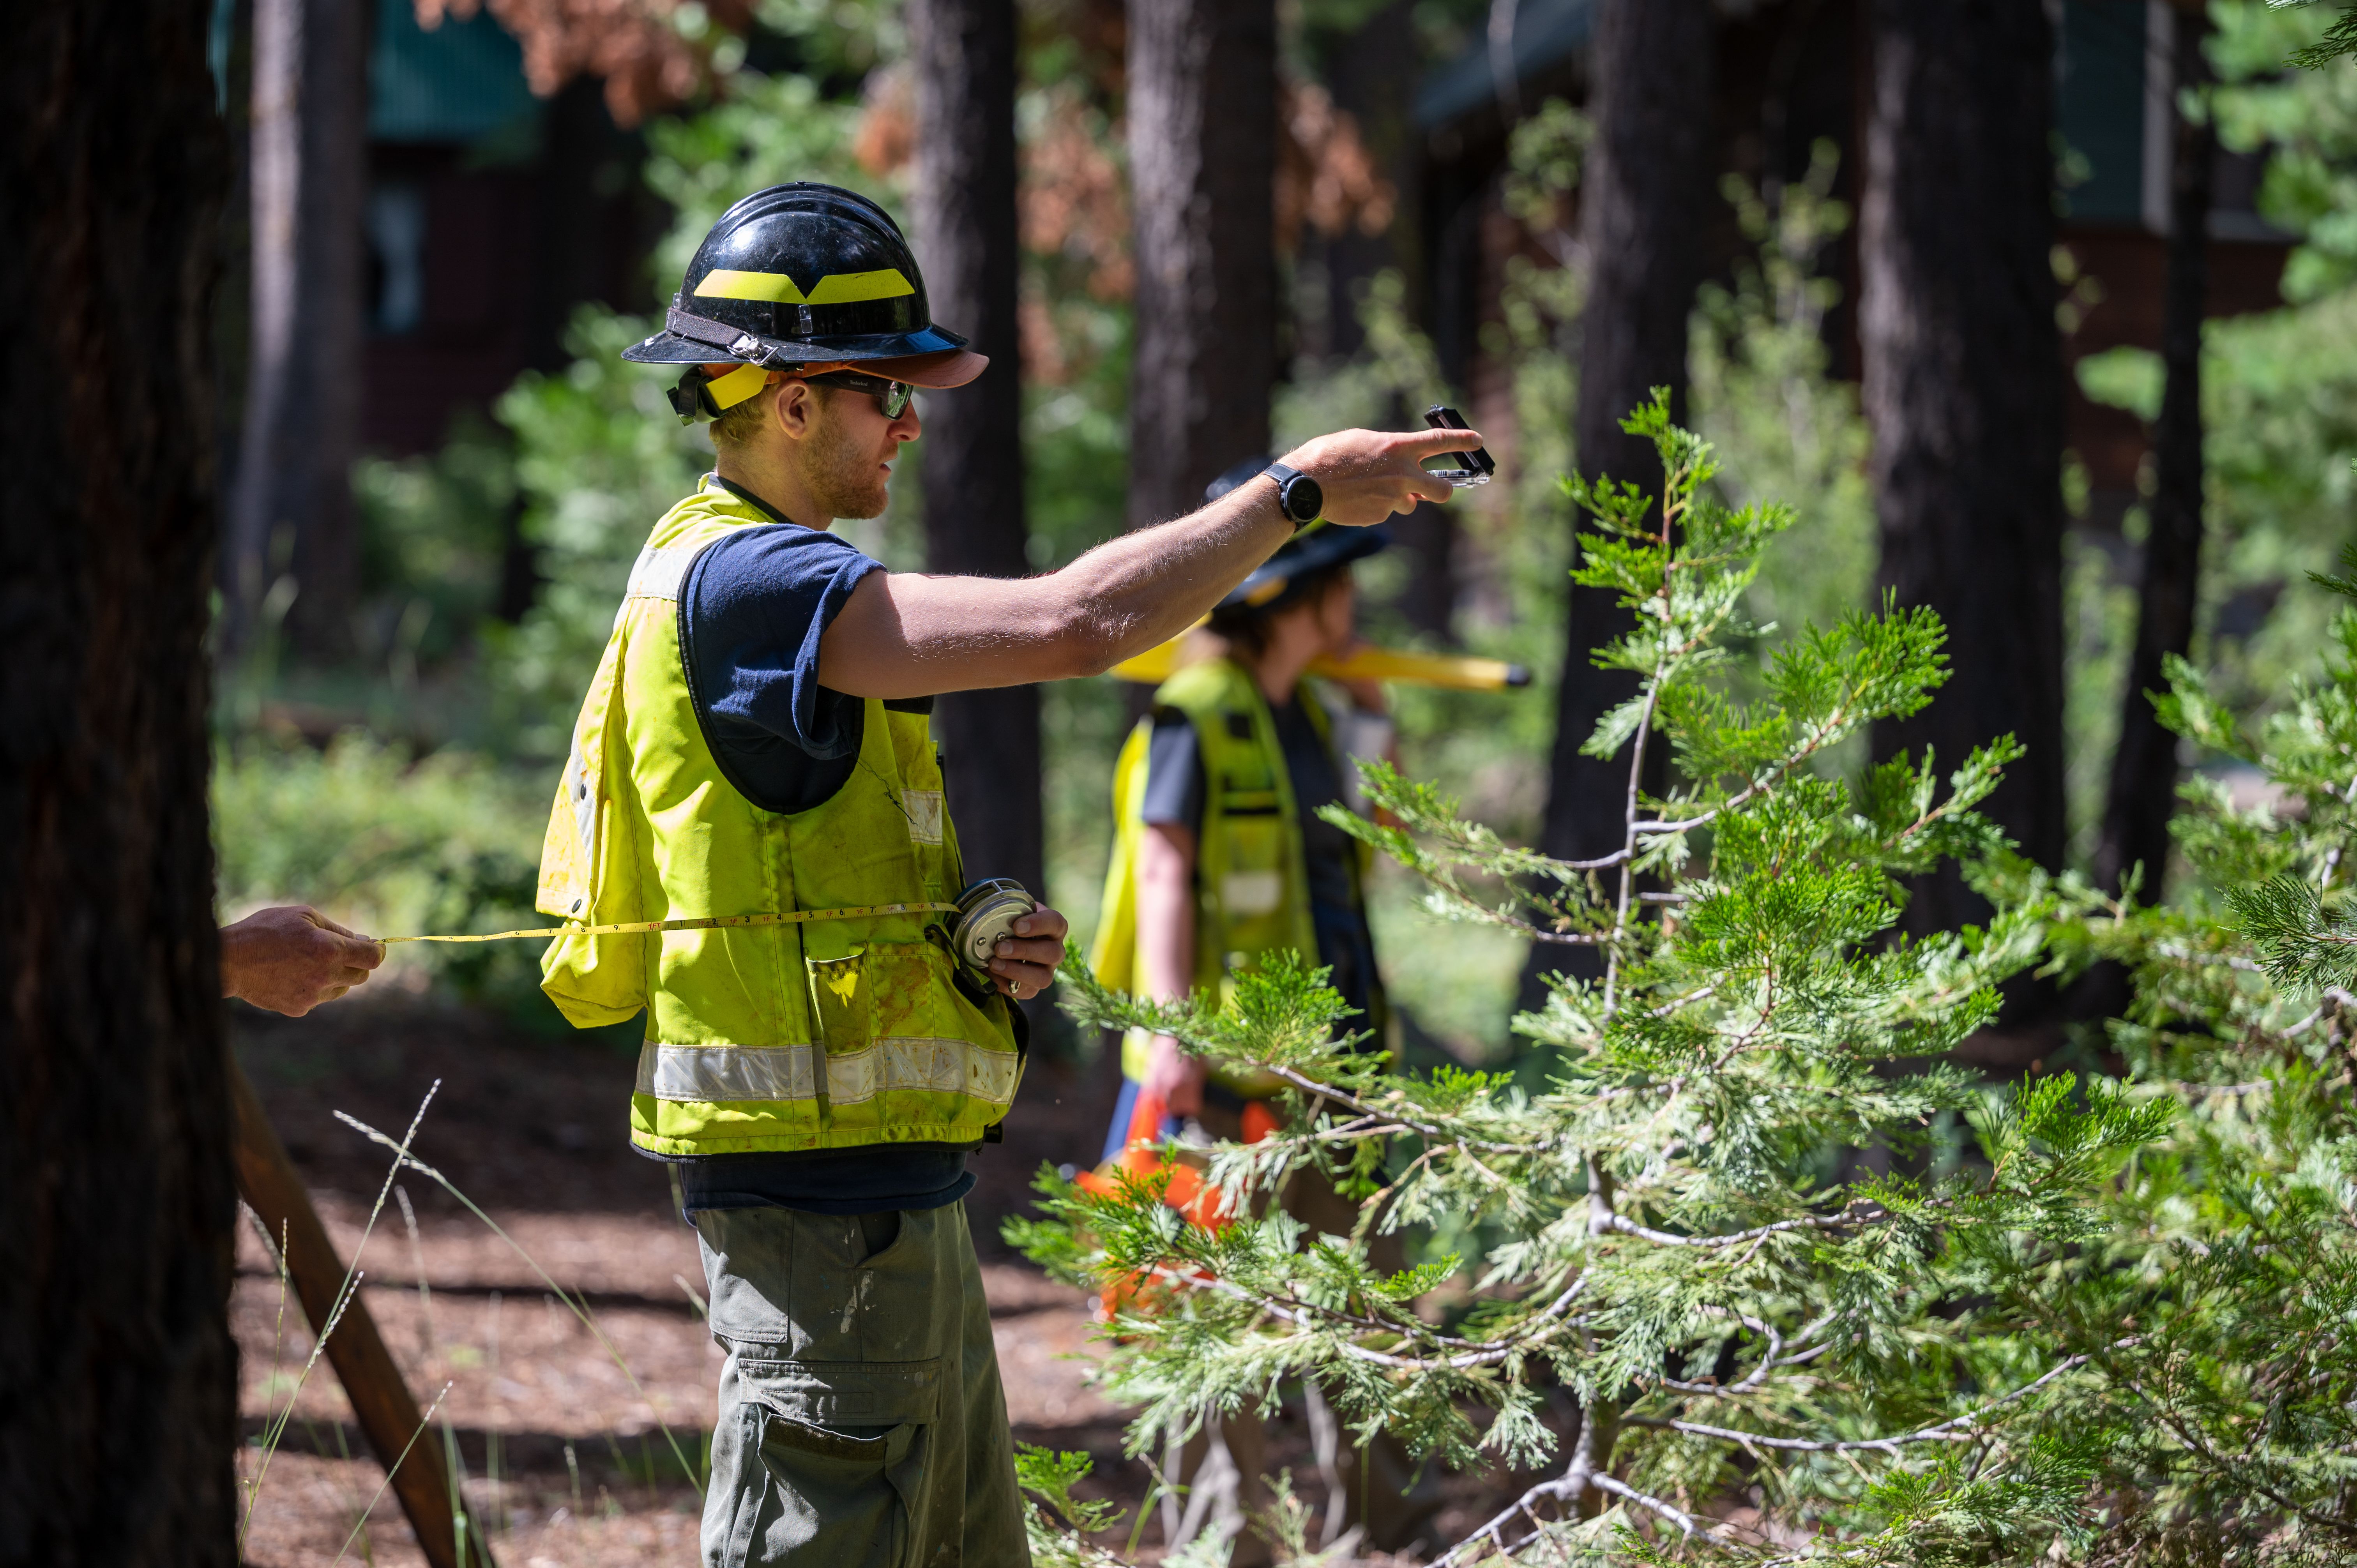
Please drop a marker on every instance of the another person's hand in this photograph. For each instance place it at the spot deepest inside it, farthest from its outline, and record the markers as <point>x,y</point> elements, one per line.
<point>1027,961</point>
<point>289,960</point>
<point>1176,1076</point>
<point>1368,475</point>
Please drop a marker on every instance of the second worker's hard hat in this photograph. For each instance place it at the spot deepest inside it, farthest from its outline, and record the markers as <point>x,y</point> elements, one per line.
<point>1313,548</point>
<point>805,277</point>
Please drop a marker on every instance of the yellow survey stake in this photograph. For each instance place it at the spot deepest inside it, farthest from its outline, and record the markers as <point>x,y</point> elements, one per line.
<point>1453,672</point>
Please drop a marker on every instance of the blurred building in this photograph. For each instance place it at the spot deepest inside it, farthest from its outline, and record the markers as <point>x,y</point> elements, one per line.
<point>491,214</point>
<point>1791,72</point>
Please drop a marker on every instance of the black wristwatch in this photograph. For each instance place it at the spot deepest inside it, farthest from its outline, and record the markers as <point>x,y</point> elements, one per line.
<point>1296,493</point>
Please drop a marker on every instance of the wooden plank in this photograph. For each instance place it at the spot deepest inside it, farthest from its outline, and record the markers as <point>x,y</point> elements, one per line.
<point>387,1412</point>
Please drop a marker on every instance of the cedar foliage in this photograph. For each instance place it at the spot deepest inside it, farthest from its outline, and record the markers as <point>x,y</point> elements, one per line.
<point>1766,1342</point>
<point>2228,1250</point>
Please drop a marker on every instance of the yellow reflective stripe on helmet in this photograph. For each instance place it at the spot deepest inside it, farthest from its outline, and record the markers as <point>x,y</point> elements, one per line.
<point>738,385</point>
<point>777,288</point>
<point>854,288</point>
<point>726,282</point>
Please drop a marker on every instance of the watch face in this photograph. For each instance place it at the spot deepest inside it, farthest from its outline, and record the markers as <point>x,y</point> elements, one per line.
<point>1303,498</point>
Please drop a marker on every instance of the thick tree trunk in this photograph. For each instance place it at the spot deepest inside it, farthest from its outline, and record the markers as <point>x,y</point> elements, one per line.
<point>118,1392</point>
<point>973,449</point>
<point>1202,149</point>
<point>1365,71</point>
<point>1642,209</point>
<point>2144,768</point>
<point>1964,392</point>
<point>292,511</point>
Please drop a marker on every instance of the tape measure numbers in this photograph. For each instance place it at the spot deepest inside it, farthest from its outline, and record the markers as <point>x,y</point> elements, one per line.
<point>701,923</point>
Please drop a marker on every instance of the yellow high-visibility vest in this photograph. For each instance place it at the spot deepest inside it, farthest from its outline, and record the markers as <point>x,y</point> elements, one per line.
<point>829,1034</point>
<point>1252,876</point>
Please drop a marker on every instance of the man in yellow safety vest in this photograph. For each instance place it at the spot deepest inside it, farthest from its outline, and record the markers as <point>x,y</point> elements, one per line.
<point>752,766</point>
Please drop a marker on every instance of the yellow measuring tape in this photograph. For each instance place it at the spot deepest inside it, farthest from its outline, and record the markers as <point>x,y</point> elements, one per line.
<point>701,923</point>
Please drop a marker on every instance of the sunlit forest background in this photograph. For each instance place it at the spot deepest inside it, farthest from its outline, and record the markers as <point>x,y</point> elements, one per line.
<point>395,768</point>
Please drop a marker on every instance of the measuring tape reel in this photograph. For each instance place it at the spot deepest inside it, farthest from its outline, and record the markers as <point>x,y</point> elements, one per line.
<point>986,912</point>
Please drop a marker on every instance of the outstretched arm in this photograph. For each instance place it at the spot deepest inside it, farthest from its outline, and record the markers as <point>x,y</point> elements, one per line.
<point>909,635</point>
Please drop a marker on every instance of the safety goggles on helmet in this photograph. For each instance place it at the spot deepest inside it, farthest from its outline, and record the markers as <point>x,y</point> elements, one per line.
<point>893,395</point>
<point>700,394</point>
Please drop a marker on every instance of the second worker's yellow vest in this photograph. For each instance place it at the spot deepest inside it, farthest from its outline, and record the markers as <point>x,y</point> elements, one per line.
<point>824,1035</point>
<point>1252,879</point>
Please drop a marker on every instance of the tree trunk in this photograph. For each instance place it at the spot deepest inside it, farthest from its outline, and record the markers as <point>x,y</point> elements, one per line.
<point>292,511</point>
<point>973,449</point>
<point>1641,210</point>
<point>118,1388</point>
<point>1964,392</point>
<point>1202,149</point>
<point>2144,768</point>
<point>1365,70</point>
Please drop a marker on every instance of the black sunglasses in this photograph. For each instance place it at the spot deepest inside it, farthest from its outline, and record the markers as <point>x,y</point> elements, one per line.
<point>893,395</point>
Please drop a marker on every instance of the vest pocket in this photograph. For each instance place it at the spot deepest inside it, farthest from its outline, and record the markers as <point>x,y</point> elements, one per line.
<point>1252,882</point>
<point>843,1001</point>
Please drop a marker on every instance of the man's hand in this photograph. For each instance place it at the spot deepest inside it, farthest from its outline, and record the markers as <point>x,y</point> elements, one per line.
<point>1027,961</point>
<point>290,960</point>
<point>1176,1076</point>
<point>1368,475</point>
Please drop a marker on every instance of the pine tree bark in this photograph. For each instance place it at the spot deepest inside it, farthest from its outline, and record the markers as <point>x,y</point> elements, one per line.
<point>1964,392</point>
<point>1641,210</point>
<point>1202,149</point>
<point>1364,71</point>
<point>291,512</point>
<point>118,1393</point>
<point>971,455</point>
<point>2144,768</point>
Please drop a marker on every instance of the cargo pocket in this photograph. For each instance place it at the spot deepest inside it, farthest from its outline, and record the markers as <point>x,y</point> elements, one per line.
<point>833,1464</point>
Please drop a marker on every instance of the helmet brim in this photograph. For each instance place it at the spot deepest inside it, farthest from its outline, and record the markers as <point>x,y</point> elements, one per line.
<point>668,347</point>
<point>1314,549</point>
<point>937,372</point>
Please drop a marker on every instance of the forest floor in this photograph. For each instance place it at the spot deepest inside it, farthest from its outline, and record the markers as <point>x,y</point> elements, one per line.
<point>568,1451</point>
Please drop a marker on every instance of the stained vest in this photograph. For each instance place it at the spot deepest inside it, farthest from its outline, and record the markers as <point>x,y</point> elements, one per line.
<point>825,1036</point>
<point>1252,875</point>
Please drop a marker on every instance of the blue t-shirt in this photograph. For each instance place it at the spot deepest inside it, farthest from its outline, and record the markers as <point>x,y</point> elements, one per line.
<point>752,611</point>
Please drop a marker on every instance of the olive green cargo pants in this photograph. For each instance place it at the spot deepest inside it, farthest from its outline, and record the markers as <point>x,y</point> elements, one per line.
<point>862,1424</point>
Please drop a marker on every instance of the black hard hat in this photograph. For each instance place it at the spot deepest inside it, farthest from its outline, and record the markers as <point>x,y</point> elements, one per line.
<point>1313,547</point>
<point>803,276</point>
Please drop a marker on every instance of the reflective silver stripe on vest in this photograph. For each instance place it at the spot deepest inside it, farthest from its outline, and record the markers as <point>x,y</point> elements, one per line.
<point>655,575</point>
<point>719,1074</point>
<point>716,1074</point>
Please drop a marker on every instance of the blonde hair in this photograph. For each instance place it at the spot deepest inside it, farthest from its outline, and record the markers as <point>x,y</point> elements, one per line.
<point>736,425</point>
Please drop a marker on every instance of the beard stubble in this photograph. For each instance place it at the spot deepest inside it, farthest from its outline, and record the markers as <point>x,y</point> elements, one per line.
<point>843,476</point>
